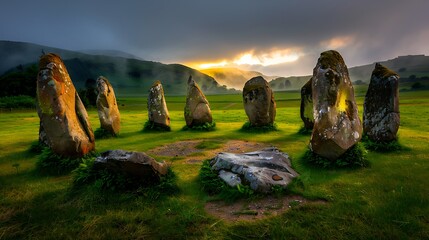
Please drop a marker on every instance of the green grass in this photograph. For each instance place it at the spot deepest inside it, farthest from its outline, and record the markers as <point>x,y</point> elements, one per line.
<point>388,200</point>
<point>354,157</point>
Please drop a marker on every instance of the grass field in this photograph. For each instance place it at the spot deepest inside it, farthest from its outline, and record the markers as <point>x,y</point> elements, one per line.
<point>389,200</point>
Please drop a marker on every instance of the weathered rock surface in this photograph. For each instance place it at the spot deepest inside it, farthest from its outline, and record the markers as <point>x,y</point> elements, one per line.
<point>337,126</point>
<point>108,112</point>
<point>306,110</point>
<point>157,106</point>
<point>261,170</point>
<point>64,124</point>
<point>381,107</point>
<point>133,164</point>
<point>197,109</point>
<point>259,103</point>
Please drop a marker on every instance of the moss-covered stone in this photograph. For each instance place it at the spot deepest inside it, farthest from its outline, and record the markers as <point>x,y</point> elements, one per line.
<point>259,102</point>
<point>337,126</point>
<point>197,110</point>
<point>381,117</point>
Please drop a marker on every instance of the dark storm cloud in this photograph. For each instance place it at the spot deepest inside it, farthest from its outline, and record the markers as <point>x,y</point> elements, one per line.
<point>186,31</point>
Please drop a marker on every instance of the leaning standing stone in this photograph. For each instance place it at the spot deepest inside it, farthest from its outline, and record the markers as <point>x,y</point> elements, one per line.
<point>63,118</point>
<point>337,126</point>
<point>381,106</point>
<point>108,111</point>
<point>306,110</point>
<point>259,103</point>
<point>197,109</point>
<point>157,107</point>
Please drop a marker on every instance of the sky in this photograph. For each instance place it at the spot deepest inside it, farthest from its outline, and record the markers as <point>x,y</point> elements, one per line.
<point>276,37</point>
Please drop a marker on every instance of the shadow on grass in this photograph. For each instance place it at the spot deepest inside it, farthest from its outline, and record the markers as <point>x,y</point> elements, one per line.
<point>384,147</point>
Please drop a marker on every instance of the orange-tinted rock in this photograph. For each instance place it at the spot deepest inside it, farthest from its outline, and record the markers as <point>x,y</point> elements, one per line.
<point>63,118</point>
<point>337,126</point>
<point>157,106</point>
<point>381,107</point>
<point>108,111</point>
<point>259,103</point>
<point>197,109</point>
<point>306,110</point>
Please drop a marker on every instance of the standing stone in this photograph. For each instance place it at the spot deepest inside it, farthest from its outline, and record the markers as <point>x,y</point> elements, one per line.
<point>306,110</point>
<point>337,126</point>
<point>157,106</point>
<point>63,118</point>
<point>381,106</point>
<point>108,111</point>
<point>197,109</point>
<point>259,103</point>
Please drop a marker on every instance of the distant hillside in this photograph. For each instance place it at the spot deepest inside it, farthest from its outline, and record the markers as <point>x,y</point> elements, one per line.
<point>405,66</point>
<point>233,77</point>
<point>128,75</point>
<point>288,83</point>
<point>412,68</point>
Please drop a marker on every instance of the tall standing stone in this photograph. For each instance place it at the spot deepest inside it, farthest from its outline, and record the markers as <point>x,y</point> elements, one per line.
<point>306,110</point>
<point>337,126</point>
<point>381,106</point>
<point>108,111</point>
<point>63,118</point>
<point>197,109</point>
<point>157,106</point>
<point>259,103</point>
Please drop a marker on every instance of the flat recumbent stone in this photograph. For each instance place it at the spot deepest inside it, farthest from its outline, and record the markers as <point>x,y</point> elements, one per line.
<point>261,170</point>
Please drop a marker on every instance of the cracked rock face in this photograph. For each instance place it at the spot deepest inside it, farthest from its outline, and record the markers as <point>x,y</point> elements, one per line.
<point>337,126</point>
<point>259,103</point>
<point>64,124</point>
<point>157,106</point>
<point>108,111</point>
<point>306,110</point>
<point>197,109</point>
<point>381,107</point>
<point>261,170</point>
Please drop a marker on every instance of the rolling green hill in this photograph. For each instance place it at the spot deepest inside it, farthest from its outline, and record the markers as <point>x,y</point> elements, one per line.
<point>129,76</point>
<point>411,69</point>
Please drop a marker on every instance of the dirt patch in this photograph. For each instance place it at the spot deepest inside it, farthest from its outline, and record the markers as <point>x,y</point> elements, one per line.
<point>194,161</point>
<point>181,148</point>
<point>256,209</point>
<point>189,151</point>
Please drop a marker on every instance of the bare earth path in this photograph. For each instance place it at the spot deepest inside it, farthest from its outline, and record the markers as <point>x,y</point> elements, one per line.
<point>191,152</point>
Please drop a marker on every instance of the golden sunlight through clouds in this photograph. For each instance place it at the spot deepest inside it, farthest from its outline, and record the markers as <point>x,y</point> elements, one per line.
<point>252,58</point>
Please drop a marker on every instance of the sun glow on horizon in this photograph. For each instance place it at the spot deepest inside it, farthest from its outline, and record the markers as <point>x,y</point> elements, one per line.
<point>212,65</point>
<point>251,58</point>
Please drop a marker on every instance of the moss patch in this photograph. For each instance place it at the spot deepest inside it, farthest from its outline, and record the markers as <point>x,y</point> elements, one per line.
<point>248,127</point>
<point>391,146</point>
<point>206,127</point>
<point>354,157</point>
<point>330,59</point>
<point>150,126</point>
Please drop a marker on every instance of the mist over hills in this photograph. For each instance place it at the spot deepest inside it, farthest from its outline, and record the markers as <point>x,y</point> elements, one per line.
<point>133,76</point>
<point>405,66</point>
<point>129,76</point>
<point>234,77</point>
